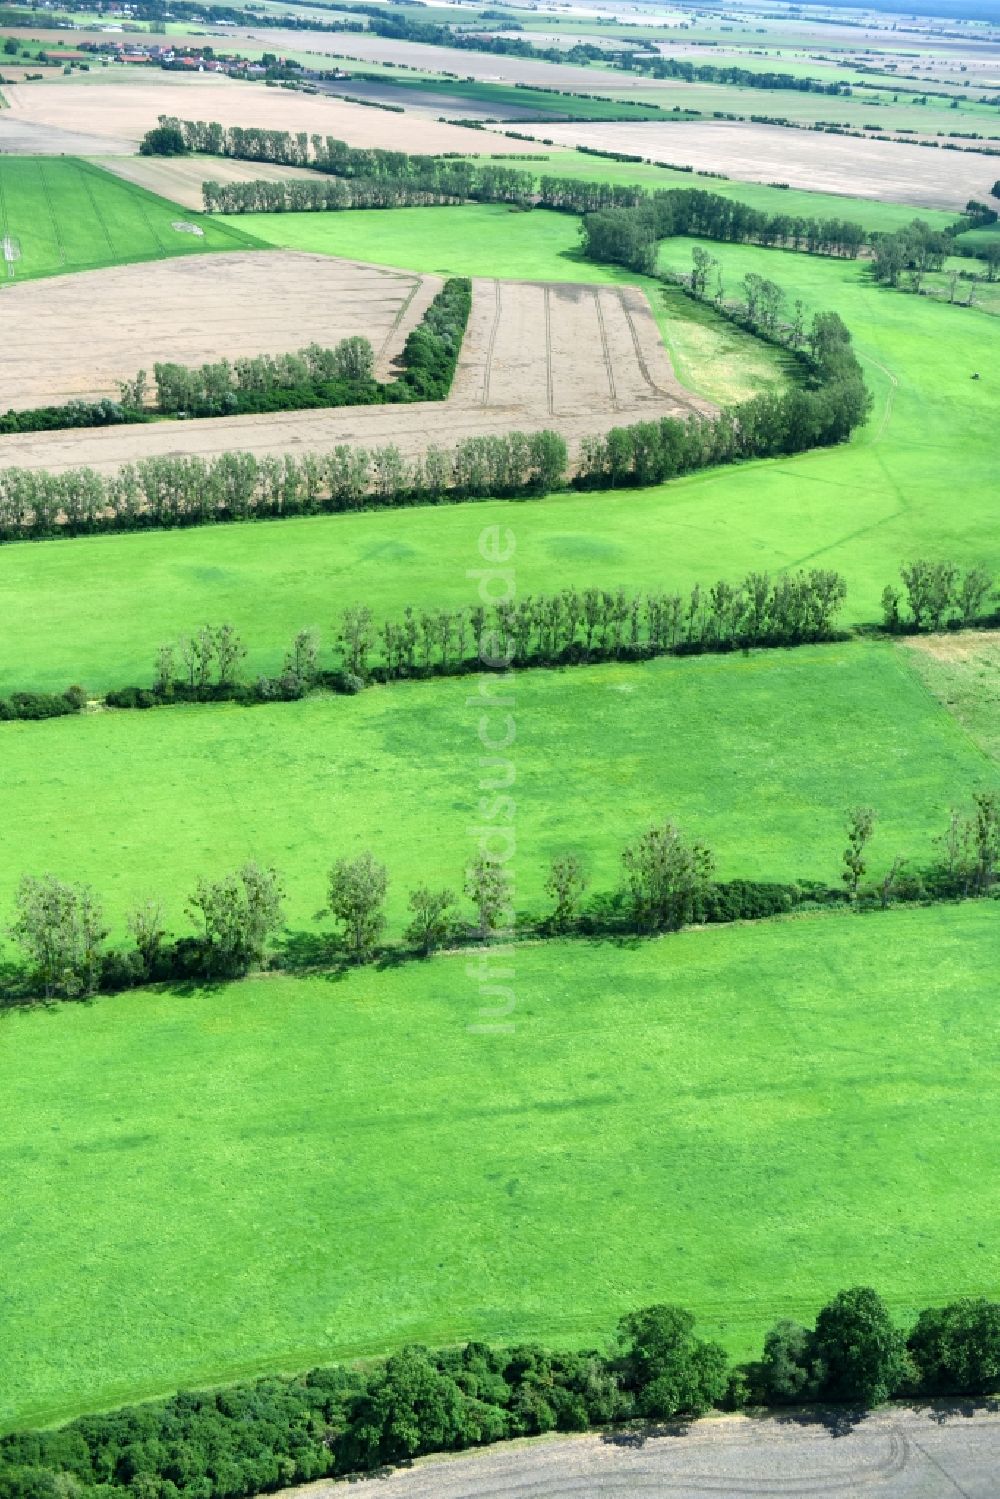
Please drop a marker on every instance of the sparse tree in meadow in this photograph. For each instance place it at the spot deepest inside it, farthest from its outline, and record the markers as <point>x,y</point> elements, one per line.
<point>972,593</point>
<point>888,885</point>
<point>229,651</point>
<point>145,922</point>
<point>701,268</point>
<point>891,617</point>
<point>302,659</point>
<point>666,878</point>
<point>433,914</point>
<point>957,855</point>
<point>354,360</point>
<point>860,827</point>
<point>132,393</point>
<point>670,1371</point>
<point>197,653</point>
<point>985,829</point>
<point>163,672</point>
<point>858,1349</point>
<point>238,915</point>
<point>565,885</point>
<point>357,900</point>
<point>60,929</point>
<point>357,636</point>
<point>488,886</point>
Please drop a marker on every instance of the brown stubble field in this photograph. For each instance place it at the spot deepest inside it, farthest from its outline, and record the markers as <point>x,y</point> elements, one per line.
<point>192,310</point>
<point>179,178</point>
<point>121,111</point>
<point>578,359</point>
<point>926,178</point>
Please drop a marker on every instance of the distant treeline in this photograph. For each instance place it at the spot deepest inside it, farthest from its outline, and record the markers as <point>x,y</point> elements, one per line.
<point>692,72</point>
<point>374,178</point>
<point>264,1434</point>
<point>630,236</point>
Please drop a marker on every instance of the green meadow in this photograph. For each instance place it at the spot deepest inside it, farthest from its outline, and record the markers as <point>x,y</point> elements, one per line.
<point>736,749</point>
<point>203,1183</point>
<point>200,1185</point>
<point>67,215</point>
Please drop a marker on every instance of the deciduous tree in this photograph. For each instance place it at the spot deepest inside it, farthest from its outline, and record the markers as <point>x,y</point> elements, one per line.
<point>60,929</point>
<point>357,900</point>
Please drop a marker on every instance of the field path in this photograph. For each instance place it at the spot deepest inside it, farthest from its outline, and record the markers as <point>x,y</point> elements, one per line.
<point>895,1454</point>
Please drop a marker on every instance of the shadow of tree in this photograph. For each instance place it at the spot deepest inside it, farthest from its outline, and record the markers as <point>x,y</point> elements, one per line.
<point>838,1420</point>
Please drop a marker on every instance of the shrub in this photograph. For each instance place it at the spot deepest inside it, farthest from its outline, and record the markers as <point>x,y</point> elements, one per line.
<point>747,900</point>
<point>956,1348</point>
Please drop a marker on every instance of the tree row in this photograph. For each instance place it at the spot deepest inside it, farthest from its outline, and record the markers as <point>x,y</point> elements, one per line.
<point>166,492</point>
<point>372,178</point>
<point>667,882</point>
<point>572,627</point>
<point>265,1434</point>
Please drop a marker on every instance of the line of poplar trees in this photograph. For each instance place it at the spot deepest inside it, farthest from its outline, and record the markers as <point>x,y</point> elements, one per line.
<point>167,492</point>
<point>373,178</point>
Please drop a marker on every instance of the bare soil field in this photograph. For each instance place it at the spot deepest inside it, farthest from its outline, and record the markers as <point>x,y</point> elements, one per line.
<point>115,115</point>
<point>192,310</point>
<point>579,359</point>
<point>562,350</point>
<point>803,159</point>
<point>952,1448</point>
<point>179,178</point>
<point>21,137</point>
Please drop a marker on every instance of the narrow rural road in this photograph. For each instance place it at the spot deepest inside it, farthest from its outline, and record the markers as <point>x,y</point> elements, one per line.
<point>952,1450</point>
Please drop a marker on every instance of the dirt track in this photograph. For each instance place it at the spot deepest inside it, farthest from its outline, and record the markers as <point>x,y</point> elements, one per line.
<point>576,358</point>
<point>114,114</point>
<point>896,1454</point>
<point>191,310</point>
<point>802,158</point>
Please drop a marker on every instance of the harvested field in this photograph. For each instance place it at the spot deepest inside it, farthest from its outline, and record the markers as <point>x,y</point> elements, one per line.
<point>576,358</point>
<point>115,116</point>
<point>180,177</point>
<point>804,159</point>
<point>489,67</point>
<point>21,137</point>
<point>192,310</point>
<point>564,350</point>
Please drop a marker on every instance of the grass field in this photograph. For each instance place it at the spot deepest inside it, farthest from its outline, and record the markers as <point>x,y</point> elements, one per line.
<point>199,1185</point>
<point>734,748</point>
<point>66,215</point>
